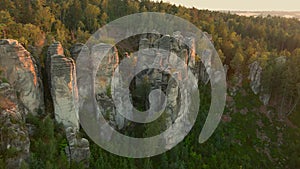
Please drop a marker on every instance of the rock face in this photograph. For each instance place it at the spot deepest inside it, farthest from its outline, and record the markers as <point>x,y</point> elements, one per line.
<point>103,77</point>
<point>64,92</point>
<point>167,47</point>
<point>54,49</point>
<point>106,67</point>
<point>255,76</point>
<point>75,50</point>
<point>78,148</point>
<point>20,70</point>
<point>201,73</point>
<point>14,139</point>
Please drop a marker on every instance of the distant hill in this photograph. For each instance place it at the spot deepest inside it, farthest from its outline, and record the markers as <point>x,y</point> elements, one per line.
<point>286,14</point>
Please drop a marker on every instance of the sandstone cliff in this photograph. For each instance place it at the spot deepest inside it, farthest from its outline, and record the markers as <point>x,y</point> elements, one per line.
<point>64,92</point>
<point>21,72</point>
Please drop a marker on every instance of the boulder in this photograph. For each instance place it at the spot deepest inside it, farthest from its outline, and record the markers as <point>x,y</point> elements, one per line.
<point>174,47</point>
<point>20,70</point>
<point>265,98</point>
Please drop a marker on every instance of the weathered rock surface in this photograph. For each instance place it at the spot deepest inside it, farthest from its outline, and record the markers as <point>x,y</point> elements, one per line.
<point>255,76</point>
<point>54,49</point>
<point>64,90</point>
<point>20,70</point>
<point>103,75</point>
<point>75,50</point>
<point>106,67</point>
<point>14,139</point>
<point>78,148</point>
<point>168,49</point>
<point>201,73</point>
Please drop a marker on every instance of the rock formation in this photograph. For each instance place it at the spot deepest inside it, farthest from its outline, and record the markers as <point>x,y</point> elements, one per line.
<point>75,50</point>
<point>106,67</point>
<point>64,92</point>
<point>14,133</point>
<point>20,70</point>
<point>170,49</point>
<point>255,76</point>
<point>54,49</point>
<point>103,75</point>
<point>78,148</point>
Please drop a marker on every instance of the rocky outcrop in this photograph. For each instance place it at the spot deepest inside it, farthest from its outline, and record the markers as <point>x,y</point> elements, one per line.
<point>201,73</point>
<point>75,50</point>
<point>64,92</point>
<point>54,49</point>
<point>20,70</point>
<point>14,139</point>
<point>255,77</point>
<point>103,77</point>
<point>78,148</point>
<point>183,47</point>
<point>106,67</point>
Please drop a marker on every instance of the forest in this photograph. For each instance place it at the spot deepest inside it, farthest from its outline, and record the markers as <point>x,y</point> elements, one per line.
<point>239,41</point>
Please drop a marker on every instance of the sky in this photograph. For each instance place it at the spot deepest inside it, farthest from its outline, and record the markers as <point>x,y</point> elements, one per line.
<point>241,5</point>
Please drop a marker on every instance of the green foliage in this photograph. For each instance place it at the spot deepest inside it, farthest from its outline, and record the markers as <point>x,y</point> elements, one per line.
<point>108,91</point>
<point>2,163</point>
<point>91,12</point>
<point>4,80</point>
<point>82,36</point>
<point>47,144</point>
